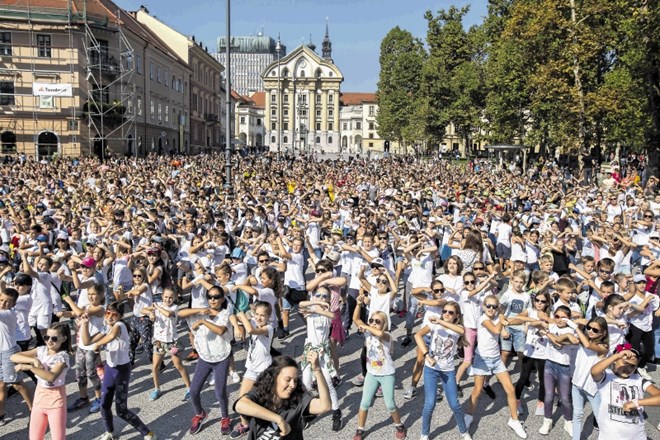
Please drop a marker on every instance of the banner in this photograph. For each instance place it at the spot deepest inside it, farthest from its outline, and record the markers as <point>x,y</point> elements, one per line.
<point>42,89</point>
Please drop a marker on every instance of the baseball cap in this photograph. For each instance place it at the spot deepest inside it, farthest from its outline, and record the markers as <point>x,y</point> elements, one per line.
<point>42,238</point>
<point>377,262</point>
<point>238,253</point>
<point>62,235</point>
<point>639,278</point>
<point>332,256</point>
<point>88,262</point>
<point>153,251</point>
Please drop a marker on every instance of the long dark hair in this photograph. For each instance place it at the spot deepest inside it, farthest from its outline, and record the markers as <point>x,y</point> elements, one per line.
<point>264,389</point>
<point>272,274</point>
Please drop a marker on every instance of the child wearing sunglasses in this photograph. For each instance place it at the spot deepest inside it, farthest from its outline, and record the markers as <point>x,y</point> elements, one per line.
<point>447,334</point>
<point>621,391</point>
<point>380,370</point>
<point>488,362</point>
<point>50,364</point>
<point>319,318</point>
<point>117,370</point>
<point>213,345</point>
<point>142,296</point>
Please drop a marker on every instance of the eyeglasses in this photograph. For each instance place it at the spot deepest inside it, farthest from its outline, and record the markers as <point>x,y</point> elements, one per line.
<point>439,290</point>
<point>323,295</point>
<point>541,301</point>
<point>264,261</point>
<point>648,216</point>
<point>375,321</point>
<point>491,306</point>
<point>381,281</point>
<point>593,329</point>
<point>469,282</point>
<point>214,297</point>
<point>137,275</point>
<point>449,312</point>
<point>52,339</point>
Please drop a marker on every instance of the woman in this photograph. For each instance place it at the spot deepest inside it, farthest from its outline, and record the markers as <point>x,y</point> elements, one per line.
<point>279,399</point>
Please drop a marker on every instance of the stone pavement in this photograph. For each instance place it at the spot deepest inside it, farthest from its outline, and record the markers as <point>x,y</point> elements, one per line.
<point>170,418</point>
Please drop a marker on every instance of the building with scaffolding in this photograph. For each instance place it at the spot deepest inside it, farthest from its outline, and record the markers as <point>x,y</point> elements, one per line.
<point>83,77</point>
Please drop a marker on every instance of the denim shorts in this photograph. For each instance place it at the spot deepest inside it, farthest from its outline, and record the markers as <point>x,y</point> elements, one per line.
<point>8,372</point>
<point>516,341</point>
<point>486,366</point>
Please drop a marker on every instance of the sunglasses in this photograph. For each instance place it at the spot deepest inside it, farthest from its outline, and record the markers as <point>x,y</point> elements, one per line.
<point>469,282</point>
<point>593,329</point>
<point>440,290</point>
<point>52,339</point>
<point>375,321</point>
<point>491,306</point>
<point>648,216</point>
<point>321,271</point>
<point>214,297</point>
<point>263,261</point>
<point>478,268</point>
<point>448,312</point>
<point>325,296</point>
<point>541,301</point>
<point>137,275</point>
<point>381,281</point>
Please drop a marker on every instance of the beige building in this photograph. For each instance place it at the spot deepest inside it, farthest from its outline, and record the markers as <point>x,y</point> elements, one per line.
<point>85,78</point>
<point>359,131</point>
<point>302,93</point>
<point>250,121</point>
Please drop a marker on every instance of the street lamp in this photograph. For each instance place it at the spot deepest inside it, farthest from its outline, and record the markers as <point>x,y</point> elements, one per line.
<point>278,49</point>
<point>228,186</point>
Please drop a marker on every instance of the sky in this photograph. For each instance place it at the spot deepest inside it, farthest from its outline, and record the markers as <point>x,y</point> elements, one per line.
<point>357,27</point>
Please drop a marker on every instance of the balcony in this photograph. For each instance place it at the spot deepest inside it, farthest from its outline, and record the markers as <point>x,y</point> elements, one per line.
<point>211,118</point>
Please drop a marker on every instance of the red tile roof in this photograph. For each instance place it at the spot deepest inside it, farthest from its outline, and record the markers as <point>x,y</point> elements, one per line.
<point>259,99</point>
<point>351,98</point>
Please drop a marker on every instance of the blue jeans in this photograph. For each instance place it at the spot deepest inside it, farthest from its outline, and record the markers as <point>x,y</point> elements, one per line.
<point>448,379</point>
<point>557,376</point>
<point>656,336</point>
<point>579,397</point>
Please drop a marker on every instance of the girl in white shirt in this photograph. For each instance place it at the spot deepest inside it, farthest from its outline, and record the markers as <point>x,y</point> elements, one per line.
<point>142,325</point>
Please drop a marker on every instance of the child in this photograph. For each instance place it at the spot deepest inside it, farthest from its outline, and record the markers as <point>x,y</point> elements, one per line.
<point>380,370</point>
<point>593,348</point>
<point>566,290</point>
<point>319,317</point>
<point>9,347</point>
<point>513,302</point>
<point>487,362</point>
<point>447,334</point>
<point>117,370</point>
<point>557,373</point>
<point>88,361</point>
<point>643,304</point>
<point>618,384</point>
<point>615,308</point>
<point>537,318</point>
<point>49,364</point>
<point>258,357</point>
<point>143,327</point>
<point>212,343</point>
<point>164,316</point>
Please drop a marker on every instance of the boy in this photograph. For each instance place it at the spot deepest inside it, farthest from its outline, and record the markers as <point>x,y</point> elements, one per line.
<point>513,302</point>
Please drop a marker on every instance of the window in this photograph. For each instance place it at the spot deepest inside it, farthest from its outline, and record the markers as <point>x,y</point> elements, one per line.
<point>273,98</point>
<point>286,112</point>
<point>318,114</point>
<point>272,139</point>
<point>8,139</point>
<point>371,135</point>
<point>194,102</point>
<point>7,93</point>
<point>330,126</point>
<point>129,106</point>
<point>371,125</point>
<point>242,119</point>
<point>273,126</point>
<point>152,109</point>
<point>151,70</point>
<point>158,76</point>
<point>286,98</point>
<point>329,139</point>
<point>138,64</point>
<point>345,125</point>
<point>167,113</point>
<point>372,110</point>
<point>371,144</point>
<point>318,99</point>
<point>331,98</point>
<point>318,139</point>
<point>166,75</point>
<point>5,43</point>
<point>43,46</point>
<point>285,126</point>
<point>46,102</point>
<point>302,99</point>
<point>258,121</point>
<point>302,74</point>
<point>139,106</point>
<point>358,125</point>
<point>160,112</point>
<point>331,112</point>
<point>318,126</point>
<point>273,112</point>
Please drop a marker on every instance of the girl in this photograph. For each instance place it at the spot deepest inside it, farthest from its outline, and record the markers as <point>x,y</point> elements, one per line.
<point>319,317</point>
<point>380,369</point>
<point>50,364</point>
<point>643,304</point>
<point>487,362</point>
<point>117,370</point>
<point>213,345</point>
<point>618,386</point>
<point>537,318</point>
<point>164,316</point>
<point>452,279</point>
<point>615,308</point>
<point>270,290</point>
<point>593,348</point>
<point>142,298</point>
<point>557,373</point>
<point>258,356</point>
<point>87,361</point>
<point>447,334</point>
<point>276,405</point>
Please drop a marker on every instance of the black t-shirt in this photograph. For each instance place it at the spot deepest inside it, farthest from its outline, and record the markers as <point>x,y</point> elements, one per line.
<point>264,430</point>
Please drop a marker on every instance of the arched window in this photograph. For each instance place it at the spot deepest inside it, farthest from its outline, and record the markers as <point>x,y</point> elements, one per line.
<point>329,139</point>
<point>318,73</point>
<point>272,139</point>
<point>318,139</point>
<point>285,72</point>
<point>285,140</point>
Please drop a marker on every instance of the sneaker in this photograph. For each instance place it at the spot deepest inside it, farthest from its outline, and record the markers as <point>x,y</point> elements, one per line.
<point>439,395</point>
<point>459,392</point>
<point>546,426</point>
<point>186,397</point>
<point>519,407</point>
<point>3,421</point>
<point>406,341</point>
<point>568,427</point>
<point>336,420</point>
<point>468,420</point>
<point>235,377</point>
<point>225,425</point>
<point>359,434</point>
<point>96,406</point>
<point>359,381</point>
<point>401,432</point>
<point>77,404</point>
<point>193,356</point>
<point>106,436</point>
<point>212,380</point>
<point>466,436</point>
<point>239,431</point>
<point>410,393</point>
<point>336,381</point>
<point>645,374</point>
<point>540,409</point>
<point>197,422</point>
<point>150,436</point>
<point>379,392</point>
<point>517,428</point>
<point>489,392</point>
<point>423,437</point>
<point>155,395</point>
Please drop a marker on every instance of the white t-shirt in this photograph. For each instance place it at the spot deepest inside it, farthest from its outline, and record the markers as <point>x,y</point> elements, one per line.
<point>141,301</point>
<point>41,301</point>
<point>615,424</point>
<point>443,347</point>
<point>421,274</point>
<point>644,321</point>
<point>7,330</point>
<point>559,355</point>
<point>22,309</point>
<point>582,378</point>
<point>267,294</point>
<point>514,304</point>
<point>258,356</point>
<point>118,348</point>
<point>488,346</point>
<point>318,329</point>
<point>211,346</point>
<point>164,326</point>
<point>504,232</point>
<point>49,361</point>
<point>471,307</point>
<point>536,346</point>
<point>451,282</point>
<point>380,302</point>
<point>379,358</point>
<point>294,277</point>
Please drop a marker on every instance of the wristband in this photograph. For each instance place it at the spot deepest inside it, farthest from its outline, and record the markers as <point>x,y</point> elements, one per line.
<point>426,354</point>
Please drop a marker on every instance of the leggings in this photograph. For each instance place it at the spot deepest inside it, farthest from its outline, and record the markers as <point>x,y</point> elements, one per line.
<point>307,381</point>
<point>142,328</point>
<point>115,384</point>
<point>371,384</point>
<point>526,372</point>
<point>639,338</point>
<point>41,418</point>
<point>220,372</point>
<point>363,360</point>
<point>557,375</point>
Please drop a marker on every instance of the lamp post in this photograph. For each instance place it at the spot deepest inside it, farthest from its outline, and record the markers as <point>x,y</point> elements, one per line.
<point>228,186</point>
<point>278,49</point>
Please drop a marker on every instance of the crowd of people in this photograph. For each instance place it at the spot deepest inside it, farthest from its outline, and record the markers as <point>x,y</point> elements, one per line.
<point>493,270</point>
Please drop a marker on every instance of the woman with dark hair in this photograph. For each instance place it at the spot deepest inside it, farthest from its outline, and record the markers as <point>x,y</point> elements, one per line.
<point>471,249</point>
<point>278,402</point>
